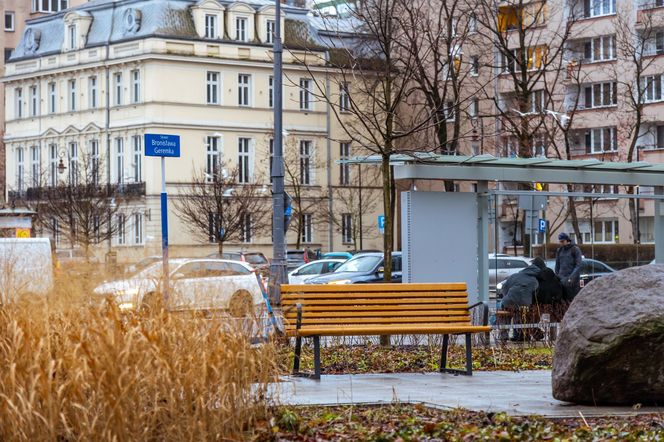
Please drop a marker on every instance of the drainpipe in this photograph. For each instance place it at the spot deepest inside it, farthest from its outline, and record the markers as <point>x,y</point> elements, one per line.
<point>328,124</point>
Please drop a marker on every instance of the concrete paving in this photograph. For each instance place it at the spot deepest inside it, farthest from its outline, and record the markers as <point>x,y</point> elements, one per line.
<point>516,393</point>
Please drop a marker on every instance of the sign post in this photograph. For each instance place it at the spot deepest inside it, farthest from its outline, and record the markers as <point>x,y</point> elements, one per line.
<point>160,145</point>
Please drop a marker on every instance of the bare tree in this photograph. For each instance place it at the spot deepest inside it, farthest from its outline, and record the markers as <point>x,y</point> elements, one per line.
<point>307,201</point>
<point>529,39</point>
<point>372,77</point>
<point>80,208</point>
<point>635,42</point>
<point>218,208</point>
<point>351,202</point>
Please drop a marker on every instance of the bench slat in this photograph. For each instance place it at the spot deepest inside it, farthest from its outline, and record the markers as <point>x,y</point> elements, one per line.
<point>405,287</point>
<point>359,311</point>
<point>376,307</point>
<point>371,295</point>
<point>291,303</point>
<point>386,320</point>
<point>389,330</point>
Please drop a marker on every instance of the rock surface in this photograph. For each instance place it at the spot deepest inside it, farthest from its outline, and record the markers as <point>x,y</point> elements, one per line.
<point>610,347</point>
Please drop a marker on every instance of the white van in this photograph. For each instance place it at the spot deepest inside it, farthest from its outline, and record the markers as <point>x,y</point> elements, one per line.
<point>26,266</point>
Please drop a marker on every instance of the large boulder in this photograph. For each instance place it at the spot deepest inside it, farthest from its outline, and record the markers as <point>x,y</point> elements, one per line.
<point>610,347</point>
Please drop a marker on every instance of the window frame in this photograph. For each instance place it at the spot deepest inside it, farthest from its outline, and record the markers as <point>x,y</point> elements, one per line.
<point>20,169</point>
<point>72,95</point>
<point>119,160</point>
<point>213,87</point>
<point>244,90</point>
<point>306,229</point>
<point>34,100</point>
<point>35,165</point>
<point>137,155</point>
<point>306,94</point>
<point>93,92</point>
<point>135,75</point>
<point>118,89</point>
<point>52,97</point>
<point>244,160</point>
<point>346,228</point>
<point>242,32</point>
<point>270,33</point>
<point>18,102</point>
<point>12,16</point>
<point>212,159</point>
<point>305,159</point>
<point>211,26</point>
<point>344,168</point>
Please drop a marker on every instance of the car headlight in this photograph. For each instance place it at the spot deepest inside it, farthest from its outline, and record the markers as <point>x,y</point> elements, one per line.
<point>341,281</point>
<point>128,292</point>
<point>126,306</point>
<point>499,286</point>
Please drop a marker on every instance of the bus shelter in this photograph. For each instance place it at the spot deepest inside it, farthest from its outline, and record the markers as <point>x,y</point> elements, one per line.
<point>445,235</point>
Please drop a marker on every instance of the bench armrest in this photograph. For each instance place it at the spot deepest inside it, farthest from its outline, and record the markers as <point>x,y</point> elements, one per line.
<point>485,311</point>
<point>477,304</point>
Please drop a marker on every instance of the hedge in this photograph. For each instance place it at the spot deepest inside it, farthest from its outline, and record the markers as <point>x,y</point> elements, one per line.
<point>618,256</point>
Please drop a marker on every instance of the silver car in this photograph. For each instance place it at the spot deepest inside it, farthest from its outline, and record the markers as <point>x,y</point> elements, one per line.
<point>502,267</point>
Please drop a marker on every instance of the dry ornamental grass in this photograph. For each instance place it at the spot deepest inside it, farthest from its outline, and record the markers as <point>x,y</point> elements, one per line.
<point>75,368</point>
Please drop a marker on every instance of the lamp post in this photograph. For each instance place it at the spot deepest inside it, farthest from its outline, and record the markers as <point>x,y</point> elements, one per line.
<point>278,264</point>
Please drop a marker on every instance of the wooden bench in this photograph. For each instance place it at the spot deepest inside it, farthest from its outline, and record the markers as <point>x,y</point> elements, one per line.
<point>378,309</point>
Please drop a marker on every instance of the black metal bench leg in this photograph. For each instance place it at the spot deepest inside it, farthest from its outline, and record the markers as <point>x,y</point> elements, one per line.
<point>316,357</point>
<point>298,352</point>
<point>469,354</point>
<point>443,353</point>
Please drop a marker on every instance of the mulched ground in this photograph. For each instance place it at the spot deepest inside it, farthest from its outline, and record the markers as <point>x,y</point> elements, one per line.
<point>370,358</point>
<point>419,423</point>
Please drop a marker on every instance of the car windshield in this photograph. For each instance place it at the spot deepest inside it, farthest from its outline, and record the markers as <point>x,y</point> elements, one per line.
<point>360,264</point>
<point>256,258</point>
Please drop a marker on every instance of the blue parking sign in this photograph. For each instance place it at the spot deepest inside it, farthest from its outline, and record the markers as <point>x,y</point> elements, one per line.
<point>541,225</point>
<point>381,223</point>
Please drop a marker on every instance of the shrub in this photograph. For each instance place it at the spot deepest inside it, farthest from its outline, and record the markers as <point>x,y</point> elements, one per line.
<point>79,370</point>
<point>619,256</point>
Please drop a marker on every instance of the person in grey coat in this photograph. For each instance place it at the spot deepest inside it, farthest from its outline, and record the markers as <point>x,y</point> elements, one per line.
<point>569,260</point>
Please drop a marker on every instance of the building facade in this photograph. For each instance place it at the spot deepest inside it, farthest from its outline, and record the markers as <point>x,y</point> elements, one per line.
<point>88,83</point>
<point>15,13</point>
<point>566,80</point>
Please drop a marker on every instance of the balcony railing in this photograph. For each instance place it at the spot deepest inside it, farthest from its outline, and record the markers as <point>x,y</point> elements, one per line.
<point>128,190</point>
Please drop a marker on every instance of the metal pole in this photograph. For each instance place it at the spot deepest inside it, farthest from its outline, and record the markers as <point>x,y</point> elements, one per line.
<point>278,265</point>
<point>359,170</point>
<point>164,229</point>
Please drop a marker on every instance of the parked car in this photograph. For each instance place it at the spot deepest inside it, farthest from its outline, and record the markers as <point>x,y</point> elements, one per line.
<point>195,284</point>
<point>294,259</point>
<point>365,268</point>
<point>26,267</point>
<point>313,269</point>
<point>590,269</point>
<point>142,264</point>
<point>337,255</point>
<point>256,259</point>
<point>502,267</point>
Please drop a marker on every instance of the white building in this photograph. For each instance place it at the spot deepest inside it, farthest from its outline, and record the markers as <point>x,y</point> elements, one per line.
<point>92,80</point>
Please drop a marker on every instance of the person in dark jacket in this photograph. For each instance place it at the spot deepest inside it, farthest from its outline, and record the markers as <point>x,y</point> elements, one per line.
<point>518,293</point>
<point>550,290</point>
<point>569,260</point>
<point>518,290</point>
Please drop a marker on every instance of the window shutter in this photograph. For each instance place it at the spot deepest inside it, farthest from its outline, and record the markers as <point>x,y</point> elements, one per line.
<point>252,157</point>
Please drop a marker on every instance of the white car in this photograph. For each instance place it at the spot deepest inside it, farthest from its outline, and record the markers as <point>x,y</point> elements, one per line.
<point>26,267</point>
<point>312,269</point>
<point>195,284</point>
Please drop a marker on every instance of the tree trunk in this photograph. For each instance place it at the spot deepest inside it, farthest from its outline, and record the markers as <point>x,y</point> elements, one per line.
<point>634,216</point>
<point>388,239</point>
<point>575,216</point>
<point>220,246</point>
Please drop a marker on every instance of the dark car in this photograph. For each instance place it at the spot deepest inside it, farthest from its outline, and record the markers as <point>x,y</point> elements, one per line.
<point>361,269</point>
<point>590,269</point>
<point>294,259</point>
<point>256,259</point>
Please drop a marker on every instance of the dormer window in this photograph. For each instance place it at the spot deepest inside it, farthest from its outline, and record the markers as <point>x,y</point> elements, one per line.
<point>76,27</point>
<point>71,37</point>
<point>241,33</point>
<point>208,18</point>
<point>266,25</point>
<point>211,26</point>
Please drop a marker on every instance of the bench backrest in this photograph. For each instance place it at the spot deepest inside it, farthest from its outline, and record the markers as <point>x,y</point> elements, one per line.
<point>376,304</point>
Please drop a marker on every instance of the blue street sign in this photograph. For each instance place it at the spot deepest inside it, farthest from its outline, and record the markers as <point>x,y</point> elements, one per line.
<point>162,145</point>
<point>381,223</point>
<point>541,225</point>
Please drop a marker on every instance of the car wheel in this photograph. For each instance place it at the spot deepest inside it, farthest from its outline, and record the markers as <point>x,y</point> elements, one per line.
<point>152,302</point>
<point>241,304</point>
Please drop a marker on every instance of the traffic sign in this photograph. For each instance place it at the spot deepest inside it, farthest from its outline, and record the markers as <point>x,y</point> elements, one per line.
<point>541,225</point>
<point>162,145</point>
<point>381,224</point>
<point>22,233</point>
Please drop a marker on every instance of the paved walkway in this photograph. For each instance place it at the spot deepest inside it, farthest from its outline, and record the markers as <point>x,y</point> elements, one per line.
<point>517,393</point>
